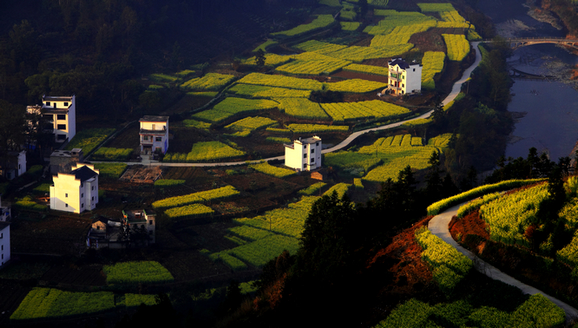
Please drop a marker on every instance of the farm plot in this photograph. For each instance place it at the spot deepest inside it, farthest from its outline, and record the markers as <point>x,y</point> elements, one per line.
<point>433,63</point>
<point>343,112</point>
<point>355,86</point>
<point>281,81</point>
<point>136,272</point>
<point>112,154</point>
<point>392,154</point>
<point>509,216</point>
<point>189,211</point>
<point>457,45</point>
<point>368,69</point>
<point>211,81</point>
<point>537,311</point>
<point>358,54</point>
<point>312,67</point>
<point>251,124</point>
<point>270,60</point>
<point>269,169</point>
<point>349,26</point>
<point>448,265</point>
<point>302,108</point>
<point>319,47</point>
<point>88,139</point>
<point>257,91</point>
<point>232,106</point>
<point>316,128</point>
<point>264,237</point>
<point>395,19</point>
<point>110,170</point>
<point>42,303</point>
<point>52,235</point>
<point>320,22</point>
<point>198,197</point>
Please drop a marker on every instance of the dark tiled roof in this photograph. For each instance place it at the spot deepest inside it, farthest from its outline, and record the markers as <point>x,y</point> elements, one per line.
<point>57,98</point>
<point>400,62</point>
<point>154,118</point>
<point>84,173</point>
<point>4,224</point>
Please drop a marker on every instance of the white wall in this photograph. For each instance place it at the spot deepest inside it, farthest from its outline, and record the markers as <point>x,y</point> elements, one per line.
<point>4,245</point>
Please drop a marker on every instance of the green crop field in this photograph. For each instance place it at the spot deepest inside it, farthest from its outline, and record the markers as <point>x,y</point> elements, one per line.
<point>47,303</point>
<point>350,26</point>
<point>198,197</point>
<point>258,91</point>
<point>358,54</point>
<point>251,123</point>
<point>312,67</point>
<point>319,47</point>
<point>395,19</point>
<point>433,63</point>
<point>211,81</point>
<point>269,169</point>
<point>368,69</point>
<point>264,237</point>
<point>270,59</point>
<point>110,170</point>
<point>88,139</point>
<point>320,22</point>
<point>281,81</point>
<point>189,211</point>
<point>316,128</point>
<point>136,272</point>
<point>205,151</point>
<point>372,109</point>
<point>302,108</point>
<point>355,86</point>
<point>232,106</point>
<point>112,154</point>
<point>537,311</point>
<point>457,45</point>
<point>312,189</point>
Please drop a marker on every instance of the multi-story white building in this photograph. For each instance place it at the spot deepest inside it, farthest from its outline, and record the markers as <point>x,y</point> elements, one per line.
<point>304,154</point>
<point>76,191</point>
<point>4,243</point>
<point>404,78</point>
<point>59,113</point>
<point>154,134</point>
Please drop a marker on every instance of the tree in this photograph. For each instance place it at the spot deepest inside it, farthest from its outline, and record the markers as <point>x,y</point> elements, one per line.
<point>260,58</point>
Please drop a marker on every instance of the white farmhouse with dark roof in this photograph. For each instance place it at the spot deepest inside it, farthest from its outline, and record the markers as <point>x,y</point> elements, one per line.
<point>404,78</point>
<point>154,134</point>
<point>4,243</point>
<point>59,113</point>
<point>76,191</point>
<point>304,154</point>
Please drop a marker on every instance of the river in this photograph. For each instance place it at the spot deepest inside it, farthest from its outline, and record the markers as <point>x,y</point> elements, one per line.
<point>546,111</point>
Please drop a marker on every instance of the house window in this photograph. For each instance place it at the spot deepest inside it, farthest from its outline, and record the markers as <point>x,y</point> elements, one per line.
<point>150,222</point>
<point>61,116</point>
<point>92,188</point>
<point>92,197</point>
<point>145,138</point>
<point>48,103</point>
<point>1,235</point>
<point>159,139</point>
<point>414,69</point>
<point>312,160</point>
<point>65,104</point>
<point>19,166</point>
<point>61,127</point>
<point>312,151</point>
<point>1,249</point>
<point>82,195</point>
<point>317,144</point>
<point>65,205</point>
<point>81,205</point>
<point>61,137</point>
<point>66,195</point>
<point>2,256</point>
<point>304,155</point>
<point>403,85</point>
<point>48,117</point>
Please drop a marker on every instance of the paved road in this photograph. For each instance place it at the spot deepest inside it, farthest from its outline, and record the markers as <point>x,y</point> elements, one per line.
<point>451,96</point>
<point>439,227</point>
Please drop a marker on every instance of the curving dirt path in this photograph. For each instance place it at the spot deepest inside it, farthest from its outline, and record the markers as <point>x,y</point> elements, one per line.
<point>450,97</point>
<point>438,226</point>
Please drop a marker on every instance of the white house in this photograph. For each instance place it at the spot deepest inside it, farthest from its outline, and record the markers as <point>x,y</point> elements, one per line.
<point>4,243</point>
<point>4,211</point>
<point>14,165</point>
<point>154,134</point>
<point>76,191</point>
<point>59,113</point>
<point>304,154</point>
<point>404,78</point>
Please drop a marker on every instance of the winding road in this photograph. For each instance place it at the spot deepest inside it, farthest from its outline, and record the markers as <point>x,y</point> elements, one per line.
<point>450,97</point>
<point>438,226</point>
